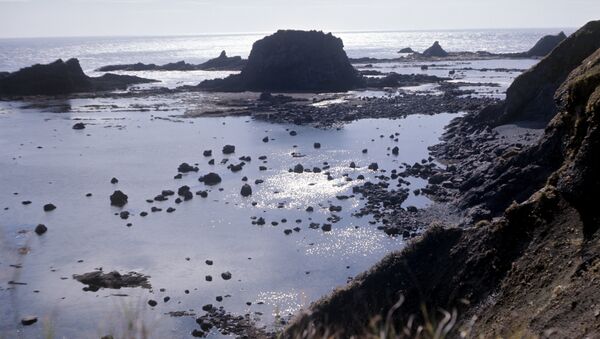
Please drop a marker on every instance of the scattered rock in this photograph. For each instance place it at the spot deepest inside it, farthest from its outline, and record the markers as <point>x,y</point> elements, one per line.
<point>28,320</point>
<point>246,190</point>
<point>228,149</point>
<point>118,199</point>
<point>210,179</point>
<point>41,229</point>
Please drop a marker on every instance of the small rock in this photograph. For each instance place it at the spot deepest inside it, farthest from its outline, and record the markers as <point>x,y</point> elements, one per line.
<point>118,198</point>
<point>29,320</point>
<point>79,125</point>
<point>246,190</point>
<point>211,179</point>
<point>49,207</point>
<point>228,149</point>
<point>226,275</point>
<point>41,229</point>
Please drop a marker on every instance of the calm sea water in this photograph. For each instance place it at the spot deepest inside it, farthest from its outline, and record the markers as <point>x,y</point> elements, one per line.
<point>99,51</point>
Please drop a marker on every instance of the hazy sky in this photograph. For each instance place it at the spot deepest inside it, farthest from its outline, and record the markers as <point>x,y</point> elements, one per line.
<point>20,18</point>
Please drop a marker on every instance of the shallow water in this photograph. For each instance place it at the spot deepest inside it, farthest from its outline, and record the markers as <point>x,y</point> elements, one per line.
<point>285,272</point>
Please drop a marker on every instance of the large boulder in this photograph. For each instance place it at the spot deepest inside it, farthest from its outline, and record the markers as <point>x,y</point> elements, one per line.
<point>293,61</point>
<point>60,77</point>
<point>545,45</point>
<point>435,51</point>
<point>531,95</point>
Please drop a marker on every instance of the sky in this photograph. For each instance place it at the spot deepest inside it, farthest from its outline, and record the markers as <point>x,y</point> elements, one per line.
<point>43,18</point>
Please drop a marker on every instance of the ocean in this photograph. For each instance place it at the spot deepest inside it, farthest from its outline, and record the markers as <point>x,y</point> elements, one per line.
<point>94,52</point>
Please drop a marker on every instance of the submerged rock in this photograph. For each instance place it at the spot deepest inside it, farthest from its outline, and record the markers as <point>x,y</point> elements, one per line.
<point>113,280</point>
<point>29,320</point>
<point>79,125</point>
<point>288,61</point>
<point>435,51</point>
<point>60,78</point>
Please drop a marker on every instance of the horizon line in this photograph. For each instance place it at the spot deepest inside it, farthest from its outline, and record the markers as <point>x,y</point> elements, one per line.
<point>272,31</point>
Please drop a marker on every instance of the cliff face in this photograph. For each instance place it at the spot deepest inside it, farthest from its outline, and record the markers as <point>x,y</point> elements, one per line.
<point>530,97</point>
<point>289,61</point>
<point>533,271</point>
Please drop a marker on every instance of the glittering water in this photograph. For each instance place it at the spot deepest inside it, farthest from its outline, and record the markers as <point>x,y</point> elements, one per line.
<point>100,51</point>
<point>277,273</point>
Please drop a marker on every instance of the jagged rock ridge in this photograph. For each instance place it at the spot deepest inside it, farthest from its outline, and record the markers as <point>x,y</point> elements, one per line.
<point>60,78</point>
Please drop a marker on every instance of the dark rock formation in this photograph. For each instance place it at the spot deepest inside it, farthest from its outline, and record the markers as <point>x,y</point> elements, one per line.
<point>118,199</point>
<point>41,229</point>
<point>114,280</point>
<point>406,50</point>
<point>221,63</point>
<point>246,190</point>
<point>293,61</point>
<point>398,80</point>
<point>210,179</point>
<point>530,97</point>
<point>545,45</point>
<point>59,78</point>
<point>79,125</point>
<point>435,51</point>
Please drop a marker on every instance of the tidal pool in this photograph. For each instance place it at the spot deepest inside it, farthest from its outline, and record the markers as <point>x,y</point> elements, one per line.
<point>43,160</point>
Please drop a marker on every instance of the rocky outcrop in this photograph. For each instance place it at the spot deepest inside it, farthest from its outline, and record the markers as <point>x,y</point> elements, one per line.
<point>545,45</point>
<point>531,272</point>
<point>435,51</point>
<point>221,63</point>
<point>59,78</point>
<point>530,97</point>
<point>398,80</point>
<point>406,50</point>
<point>293,61</point>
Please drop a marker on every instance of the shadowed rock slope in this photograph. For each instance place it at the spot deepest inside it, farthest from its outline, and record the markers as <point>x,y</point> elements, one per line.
<point>60,78</point>
<point>289,61</point>
<point>545,45</point>
<point>533,271</point>
<point>530,97</point>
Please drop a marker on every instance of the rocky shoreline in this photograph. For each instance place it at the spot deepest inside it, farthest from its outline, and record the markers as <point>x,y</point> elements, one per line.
<point>526,247</point>
<point>502,186</point>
